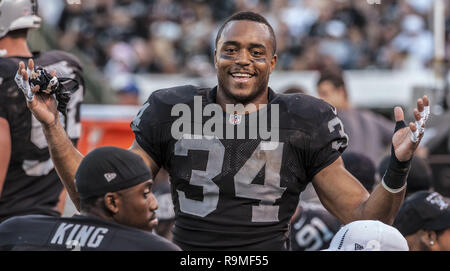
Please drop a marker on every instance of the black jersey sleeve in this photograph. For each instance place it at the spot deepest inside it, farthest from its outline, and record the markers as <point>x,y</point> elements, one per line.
<point>146,131</point>
<point>3,109</point>
<point>327,142</point>
<point>152,125</point>
<point>8,93</point>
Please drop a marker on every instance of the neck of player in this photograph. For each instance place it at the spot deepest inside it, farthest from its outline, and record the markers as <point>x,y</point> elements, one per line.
<point>15,47</point>
<point>97,213</point>
<point>260,101</point>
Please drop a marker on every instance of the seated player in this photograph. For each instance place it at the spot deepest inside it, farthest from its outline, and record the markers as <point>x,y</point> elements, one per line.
<point>424,220</point>
<point>117,211</point>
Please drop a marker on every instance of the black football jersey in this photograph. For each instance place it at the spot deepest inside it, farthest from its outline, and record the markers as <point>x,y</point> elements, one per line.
<point>233,192</point>
<point>312,228</point>
<point>77,233</point>
<point>31,185</point>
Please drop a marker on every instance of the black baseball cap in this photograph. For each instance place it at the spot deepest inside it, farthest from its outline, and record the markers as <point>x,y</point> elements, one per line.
<point>423,210</point>
<point>109,169</point>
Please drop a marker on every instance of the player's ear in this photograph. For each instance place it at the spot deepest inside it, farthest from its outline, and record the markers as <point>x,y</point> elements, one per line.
<point>112,202</point>
<point>215,58</point>
<point>426,237</point>
<point>432,236</point>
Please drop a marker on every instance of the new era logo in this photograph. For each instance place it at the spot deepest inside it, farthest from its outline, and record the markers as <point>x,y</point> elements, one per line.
<point>110,176</point>
<point>358,247</point>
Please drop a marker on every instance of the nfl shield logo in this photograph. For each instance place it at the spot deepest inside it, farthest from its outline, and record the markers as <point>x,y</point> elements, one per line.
<point>235,119</point>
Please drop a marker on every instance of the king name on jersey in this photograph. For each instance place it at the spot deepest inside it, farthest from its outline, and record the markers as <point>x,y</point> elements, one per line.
<point>82,235</point>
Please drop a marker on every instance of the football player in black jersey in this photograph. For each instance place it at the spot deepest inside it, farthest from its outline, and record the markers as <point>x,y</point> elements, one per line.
<point>29,183</point>
<point>239,193</point>
<point>117,210</point>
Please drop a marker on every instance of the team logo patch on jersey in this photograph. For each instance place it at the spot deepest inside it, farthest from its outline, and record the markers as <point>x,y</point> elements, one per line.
<point>110,176</point>
<point>235,119</point>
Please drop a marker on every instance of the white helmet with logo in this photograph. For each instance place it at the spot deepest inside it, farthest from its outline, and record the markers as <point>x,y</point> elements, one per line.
<point>18,14</point>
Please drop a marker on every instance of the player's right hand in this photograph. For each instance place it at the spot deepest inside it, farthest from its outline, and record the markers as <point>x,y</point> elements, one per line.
<point>43,106</point>
<point>405,141</point>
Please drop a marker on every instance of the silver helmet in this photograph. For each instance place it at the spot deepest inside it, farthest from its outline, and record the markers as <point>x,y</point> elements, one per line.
<point>18,14</point>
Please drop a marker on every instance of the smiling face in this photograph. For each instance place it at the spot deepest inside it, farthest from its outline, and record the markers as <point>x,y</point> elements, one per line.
<point>136,207</point>
<point>244,60</point>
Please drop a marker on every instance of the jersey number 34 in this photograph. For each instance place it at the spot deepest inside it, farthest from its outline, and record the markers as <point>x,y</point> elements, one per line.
<point>268,154</point>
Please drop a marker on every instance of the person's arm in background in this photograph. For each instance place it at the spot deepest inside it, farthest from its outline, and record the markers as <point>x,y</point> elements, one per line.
<point>65,156</point>
<point>5,151</point>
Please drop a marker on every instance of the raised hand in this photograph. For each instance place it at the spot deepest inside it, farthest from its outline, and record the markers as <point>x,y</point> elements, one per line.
<point>406,140</point>
<point>43,106</point>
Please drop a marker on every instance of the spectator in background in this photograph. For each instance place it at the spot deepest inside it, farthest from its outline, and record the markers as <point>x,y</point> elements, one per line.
<point>394,34</point>
<point>368,132</point>
<point>360,166</point>
<point>128,95</point>
<point>415,41</point>
<point>368,235</point>
<point>419,177</point>
<point>127,91</point>
<point>424,220</point>
<point>335,45</point>
<point>117,213</point>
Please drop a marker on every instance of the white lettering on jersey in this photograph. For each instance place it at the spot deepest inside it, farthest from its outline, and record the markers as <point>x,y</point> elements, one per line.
<point>69,234</point>
<point>97,237</point>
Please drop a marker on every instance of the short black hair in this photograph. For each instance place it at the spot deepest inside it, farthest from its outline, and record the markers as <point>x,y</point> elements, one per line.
<point>249,16</point>
<point>335,78</point>
<point>294,89</point>
<point>19,33</point>
<point>87,204</point>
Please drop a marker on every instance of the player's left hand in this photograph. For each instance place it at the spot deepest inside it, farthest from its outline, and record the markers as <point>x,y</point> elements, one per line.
<point>406,140</point>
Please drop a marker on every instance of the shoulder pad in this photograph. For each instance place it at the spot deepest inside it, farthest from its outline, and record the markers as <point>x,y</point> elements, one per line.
<point>175,95</point>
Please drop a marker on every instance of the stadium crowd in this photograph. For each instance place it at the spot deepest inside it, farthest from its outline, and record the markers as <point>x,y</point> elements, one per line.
<point>172,36</point>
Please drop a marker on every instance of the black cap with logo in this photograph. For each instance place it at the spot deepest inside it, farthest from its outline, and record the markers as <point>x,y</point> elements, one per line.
<point>423,210</point>
<point>110,169</point>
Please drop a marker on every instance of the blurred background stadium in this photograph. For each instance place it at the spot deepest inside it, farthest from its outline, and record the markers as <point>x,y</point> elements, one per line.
<point>391,52</point>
